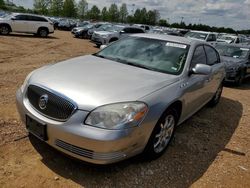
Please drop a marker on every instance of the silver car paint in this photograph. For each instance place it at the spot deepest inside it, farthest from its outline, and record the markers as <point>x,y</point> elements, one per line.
<point>91,82</point>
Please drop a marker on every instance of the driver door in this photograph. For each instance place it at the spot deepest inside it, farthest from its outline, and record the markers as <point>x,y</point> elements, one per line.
<point>197,86</point>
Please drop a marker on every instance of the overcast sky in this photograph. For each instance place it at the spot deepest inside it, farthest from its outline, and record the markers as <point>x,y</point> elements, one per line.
<point>227,13</point>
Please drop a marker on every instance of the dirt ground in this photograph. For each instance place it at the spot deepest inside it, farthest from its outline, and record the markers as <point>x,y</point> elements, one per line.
<point>211,149</point>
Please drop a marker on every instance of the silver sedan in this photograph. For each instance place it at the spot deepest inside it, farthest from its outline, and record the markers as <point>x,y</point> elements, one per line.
<point>124,100</point>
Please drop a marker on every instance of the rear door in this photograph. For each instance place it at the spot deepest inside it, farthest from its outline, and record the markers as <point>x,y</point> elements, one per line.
<point>35,22</point>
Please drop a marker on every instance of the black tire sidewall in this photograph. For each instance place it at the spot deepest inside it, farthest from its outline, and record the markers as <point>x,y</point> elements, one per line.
<point>5,27</point>
<point>149,149</point>
<point>42,29</point>
<point>239,78</point>
<point>214,101</point>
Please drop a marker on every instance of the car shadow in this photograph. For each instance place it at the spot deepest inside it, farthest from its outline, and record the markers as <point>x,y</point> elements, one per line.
<point>29,36</point>
<point>196,144</point>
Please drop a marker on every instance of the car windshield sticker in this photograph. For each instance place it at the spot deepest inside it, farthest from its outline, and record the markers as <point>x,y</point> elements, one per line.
<point>246,49</point>
<point>176,45</point>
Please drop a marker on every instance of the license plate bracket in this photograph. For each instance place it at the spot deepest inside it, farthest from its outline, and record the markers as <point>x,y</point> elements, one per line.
<point>36,128</point>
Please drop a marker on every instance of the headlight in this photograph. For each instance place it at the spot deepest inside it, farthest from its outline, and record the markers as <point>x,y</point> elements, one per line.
<point>26,81</point>
<point>104,36</point>
<point>117,116</point>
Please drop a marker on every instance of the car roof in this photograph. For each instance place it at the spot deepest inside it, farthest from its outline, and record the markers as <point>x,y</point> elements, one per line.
<point>28,14</point>
<point>134,26</point>
<point>170,38</point>
<point>205,32</point>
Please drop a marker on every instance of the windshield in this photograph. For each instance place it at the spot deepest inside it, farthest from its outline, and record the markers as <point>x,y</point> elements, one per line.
<point>201,36</point>
<point>81,24</point>
<point>232,51</point>
<point>7,16</point>
<point>104,27</point>
<point>152,54</point>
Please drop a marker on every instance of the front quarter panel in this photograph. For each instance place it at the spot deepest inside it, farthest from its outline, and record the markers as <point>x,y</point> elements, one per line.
<point>158,102</point>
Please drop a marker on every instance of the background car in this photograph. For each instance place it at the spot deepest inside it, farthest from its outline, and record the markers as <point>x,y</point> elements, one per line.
<point>83,32</point>
<point>237,60</point>
<point>114,33</point>
<point>66,24</point>
<point>202,36</point>
<point>26,23</point>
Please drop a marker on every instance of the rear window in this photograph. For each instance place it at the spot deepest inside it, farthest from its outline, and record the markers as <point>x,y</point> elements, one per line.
<point>38,19</point>
<point>212,57</point>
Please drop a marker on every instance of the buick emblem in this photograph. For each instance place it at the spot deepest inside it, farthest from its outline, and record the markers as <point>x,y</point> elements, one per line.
<point>43,101</point>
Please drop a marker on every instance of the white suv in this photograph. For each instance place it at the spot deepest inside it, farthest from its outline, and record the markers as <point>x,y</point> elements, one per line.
<point>202,36</point>
<point>26,23</point>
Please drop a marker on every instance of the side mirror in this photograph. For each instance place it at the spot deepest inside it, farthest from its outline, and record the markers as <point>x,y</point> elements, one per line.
<point>103,46</point>
<point>201,69</point>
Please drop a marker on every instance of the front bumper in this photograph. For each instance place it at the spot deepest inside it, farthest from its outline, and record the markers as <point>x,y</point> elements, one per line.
<point>230,76</point>
<point>87,143</point>
<point>98,40</point>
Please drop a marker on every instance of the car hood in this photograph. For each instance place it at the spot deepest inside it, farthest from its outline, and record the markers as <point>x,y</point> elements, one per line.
<point>231,61</point>
<point>103,32</point>
<point>80,28</point>
<point>92,81</point>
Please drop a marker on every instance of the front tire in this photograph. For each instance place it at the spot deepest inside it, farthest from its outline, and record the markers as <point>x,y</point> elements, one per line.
<point>4,29</point>
<point>216,98</point>
<point>239,78</point>
<point>161,135</point>
<point>43,32</point>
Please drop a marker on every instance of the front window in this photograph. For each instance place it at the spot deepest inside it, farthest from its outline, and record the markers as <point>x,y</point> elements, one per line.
<point>232,51</point>
<point>152,54</point>
<point>196,35</point>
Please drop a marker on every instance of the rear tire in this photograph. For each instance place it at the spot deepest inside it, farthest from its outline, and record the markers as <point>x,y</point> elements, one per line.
<point>43,32</point>
<point>4,29</point>
<point>161,135</point>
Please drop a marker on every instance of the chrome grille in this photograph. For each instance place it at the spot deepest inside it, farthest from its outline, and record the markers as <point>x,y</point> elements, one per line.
<point>57,107</point>
<point>88,153</point>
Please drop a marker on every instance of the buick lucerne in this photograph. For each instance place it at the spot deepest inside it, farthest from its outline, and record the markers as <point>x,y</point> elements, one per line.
<point>124,100</point>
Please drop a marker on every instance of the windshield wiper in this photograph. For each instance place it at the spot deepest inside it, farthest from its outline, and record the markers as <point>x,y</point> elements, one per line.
<point>140,66</point>
<point>101,56</point>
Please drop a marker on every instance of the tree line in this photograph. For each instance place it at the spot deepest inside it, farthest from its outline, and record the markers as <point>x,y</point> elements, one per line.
<point>69,8</point>
<point>113,13</point>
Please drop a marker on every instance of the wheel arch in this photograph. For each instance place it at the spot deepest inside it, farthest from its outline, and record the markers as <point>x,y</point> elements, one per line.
<point>42,27</point>
<point>113,39</point>
<point>6,24</point>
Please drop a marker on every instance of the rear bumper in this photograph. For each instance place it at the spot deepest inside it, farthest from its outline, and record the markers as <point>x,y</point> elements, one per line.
<point>87,143</point>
